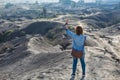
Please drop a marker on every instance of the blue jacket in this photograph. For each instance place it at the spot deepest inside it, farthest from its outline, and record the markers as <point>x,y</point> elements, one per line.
<point>78,40</point>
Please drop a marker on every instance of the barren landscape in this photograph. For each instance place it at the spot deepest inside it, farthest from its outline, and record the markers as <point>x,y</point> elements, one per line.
<point>37,47</point>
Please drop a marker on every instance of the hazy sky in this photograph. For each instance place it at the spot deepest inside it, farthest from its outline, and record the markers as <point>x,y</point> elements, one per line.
<point>72,0</point>
<point>50,0</point>
<point>58,0</point>
<point>40,0</point>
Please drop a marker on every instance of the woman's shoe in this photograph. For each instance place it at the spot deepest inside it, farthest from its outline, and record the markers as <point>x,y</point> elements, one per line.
<point>72,77</point>
<point>83,77</point>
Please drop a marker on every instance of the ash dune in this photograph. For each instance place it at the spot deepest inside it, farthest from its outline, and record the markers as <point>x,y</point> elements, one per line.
<point>40,49</point>
<point>46,61</point>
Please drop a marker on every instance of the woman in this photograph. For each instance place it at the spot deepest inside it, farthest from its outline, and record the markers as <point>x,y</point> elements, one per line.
<point>78,44</point>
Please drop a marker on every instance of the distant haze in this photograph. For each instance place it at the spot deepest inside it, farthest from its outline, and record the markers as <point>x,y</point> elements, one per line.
<point>42,0</point>
<point>32,1</point>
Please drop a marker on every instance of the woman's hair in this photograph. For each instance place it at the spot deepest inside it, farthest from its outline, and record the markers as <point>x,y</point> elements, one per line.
<point>79,30</point>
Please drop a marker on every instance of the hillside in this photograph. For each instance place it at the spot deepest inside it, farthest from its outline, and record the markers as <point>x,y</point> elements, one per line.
<point>39,49</point>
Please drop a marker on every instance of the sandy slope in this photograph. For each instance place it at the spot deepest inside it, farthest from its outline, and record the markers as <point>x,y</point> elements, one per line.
<point>57,66</point>
<point>100,65</point>
<point>38,60</point>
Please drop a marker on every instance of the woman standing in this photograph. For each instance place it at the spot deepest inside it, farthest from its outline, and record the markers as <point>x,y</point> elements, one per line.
<point>78,41</point>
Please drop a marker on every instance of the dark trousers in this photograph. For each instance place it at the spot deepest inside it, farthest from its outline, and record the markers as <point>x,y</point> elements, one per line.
<point>74,67</point>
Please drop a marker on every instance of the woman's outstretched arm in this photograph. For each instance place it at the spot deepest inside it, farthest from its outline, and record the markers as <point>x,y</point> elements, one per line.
<point>70,33</point>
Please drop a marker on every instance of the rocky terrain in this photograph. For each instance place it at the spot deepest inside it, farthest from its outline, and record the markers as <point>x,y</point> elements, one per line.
<point>39,49</point>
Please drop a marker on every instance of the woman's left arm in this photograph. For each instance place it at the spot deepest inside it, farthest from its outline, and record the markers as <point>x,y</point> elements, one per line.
<point>70,33</point>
